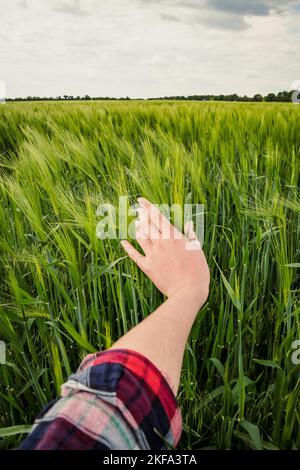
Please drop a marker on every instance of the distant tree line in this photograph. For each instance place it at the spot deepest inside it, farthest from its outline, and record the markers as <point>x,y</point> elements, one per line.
<point>65,98</point>
<point>282,96</point>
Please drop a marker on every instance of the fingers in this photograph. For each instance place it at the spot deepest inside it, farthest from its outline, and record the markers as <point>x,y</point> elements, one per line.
<point>164,227</point>
<point>151,226</point>
<point>131,251</point>
<point>142,238</point>
<point>149,230</point>
<point>135,255</point>
<point>189,231</point>
<point>192,243</point>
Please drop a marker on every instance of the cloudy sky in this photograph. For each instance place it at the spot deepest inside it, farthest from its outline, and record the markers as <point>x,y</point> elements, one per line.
<point>147,48</point>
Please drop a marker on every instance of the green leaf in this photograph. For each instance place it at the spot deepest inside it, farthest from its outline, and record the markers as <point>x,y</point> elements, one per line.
<point>269,446</point>
<point>253,432</point>
<point>14,430</point>
<point>219,366</point>
<point>78,338</point>
<point>267,363</point>
<point>234,298</point>
<point>216,392</point>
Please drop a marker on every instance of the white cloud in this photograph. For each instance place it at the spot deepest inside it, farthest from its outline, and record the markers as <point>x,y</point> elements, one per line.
<point>147,48</point>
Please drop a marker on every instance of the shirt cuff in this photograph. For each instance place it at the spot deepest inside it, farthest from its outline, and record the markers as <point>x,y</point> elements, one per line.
<point>141,392</point>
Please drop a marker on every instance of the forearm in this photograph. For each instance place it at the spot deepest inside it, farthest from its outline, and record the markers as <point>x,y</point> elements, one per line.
<point>163,335</point>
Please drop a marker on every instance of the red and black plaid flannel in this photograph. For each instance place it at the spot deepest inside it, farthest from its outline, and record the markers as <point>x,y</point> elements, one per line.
<point>118,399</point>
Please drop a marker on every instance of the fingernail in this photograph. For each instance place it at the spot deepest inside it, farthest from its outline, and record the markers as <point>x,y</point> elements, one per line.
<point>191,228</point>
<point>141,202</point>
<point>142,213</point>
<point>187,227</point>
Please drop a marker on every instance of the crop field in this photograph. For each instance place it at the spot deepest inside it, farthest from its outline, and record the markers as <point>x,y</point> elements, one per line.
<point>65,293</point>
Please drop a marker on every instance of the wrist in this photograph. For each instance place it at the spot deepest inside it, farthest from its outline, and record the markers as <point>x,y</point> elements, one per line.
<point>194,295</point>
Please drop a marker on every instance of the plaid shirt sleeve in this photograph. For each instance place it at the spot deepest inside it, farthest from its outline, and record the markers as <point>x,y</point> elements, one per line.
<point>118,399</point>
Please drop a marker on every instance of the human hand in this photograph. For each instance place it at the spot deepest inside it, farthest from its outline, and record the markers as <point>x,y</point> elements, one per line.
<point>168,261</point>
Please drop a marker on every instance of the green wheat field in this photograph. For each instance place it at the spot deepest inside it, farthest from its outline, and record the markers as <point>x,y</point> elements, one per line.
<point>64,293</point>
